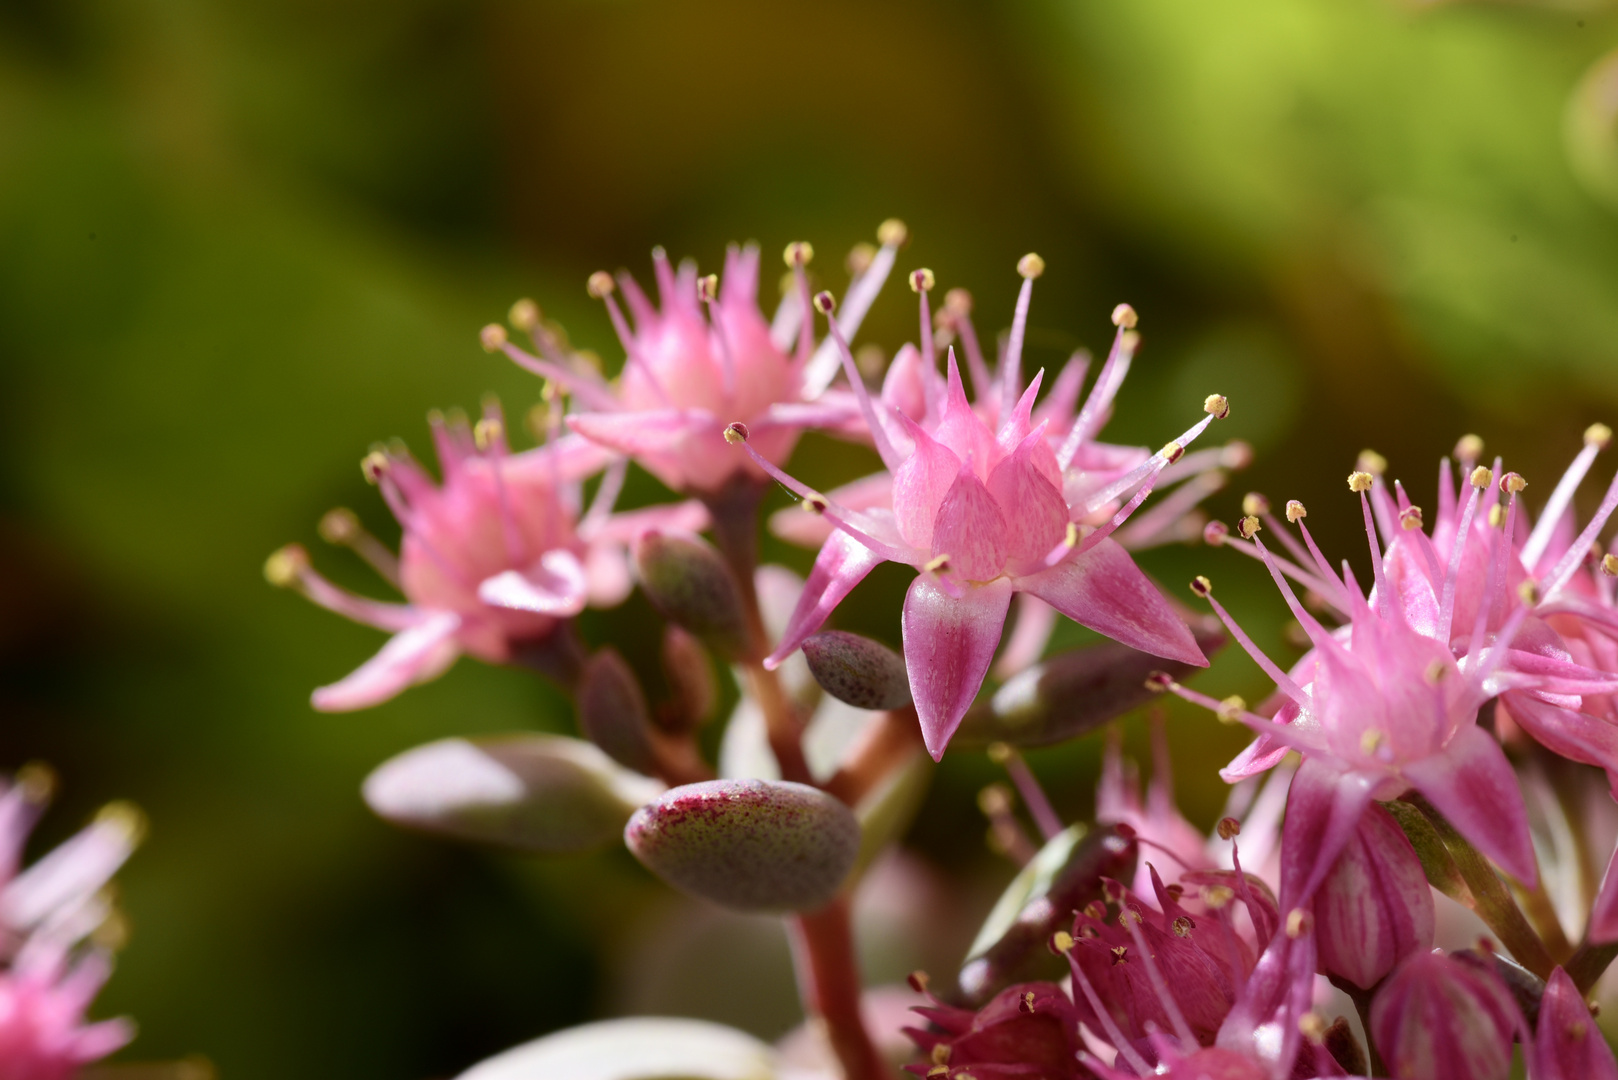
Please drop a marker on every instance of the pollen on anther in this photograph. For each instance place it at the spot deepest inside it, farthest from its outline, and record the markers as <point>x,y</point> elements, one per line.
<point>937,564</point>
<point>1070,538</point>
<point>893,231</point>
<point>1410,518</point>
<point>938,1072</point>
<point>798,253</point>
<point>1159,681</point>
<point>940,1054</point>
<point>1372,462</point>
<point>492,337</point>
<point>1182,926</point>
<point>1371,740</point>
<point>524,315</point>
<point>1201,585</point>
<point>338,525</point>
<point>736,433</point>
<point>921,280</point>
<point>1529,593</point>
<point>1096,910</point>
<point>1230,712</point>
<point>815,503</point>
<point>283,568</point>
<point>1062,941</point>
<point>1598,436</point>
<point>1030,266</point>
<point>1497,516</point>
<point>1299,923</point>
<point>918,981</point>
<point>486,432</point>
<point>1254,503</point>
<point>1248,527</point>
<point>1609,565</point>
<point>958,302</point>
<point>1512,483</point>
<point>1229,827</point>
<point>708,288</point>
<point>1296,511</point>
<point>1469,448</point>
<point>825,302</point>
<point>1120,955</point>
<point>1480,477</point>
<point>1125,316</point>
<point>1027,1002</point>
<point>599,285</point>
<point>1217,896</point>
<point>374,466</point>
<point>1217,406</point>
<point>1312,1026</point>
<point>1172,452</point>
<point>1359,480</point>
<point>1214,533</point>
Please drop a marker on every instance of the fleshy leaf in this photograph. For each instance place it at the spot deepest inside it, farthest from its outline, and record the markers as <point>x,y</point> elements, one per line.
<point>751,845</point>
<point>539,793</point>
<point>635,1048</point>
<point>857,670</point>
<point>687,580</point>
<point>1062,878</point>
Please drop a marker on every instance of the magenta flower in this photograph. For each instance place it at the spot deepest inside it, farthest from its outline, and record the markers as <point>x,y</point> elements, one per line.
<point>1441,1016</point>
<point>43,1033</point>
<point>1567,1043</point>
<point>1374,907</point>
<point>1030,1029</point>
<point>689,373</point>
<point>493,558</point>
<point>983,514</point>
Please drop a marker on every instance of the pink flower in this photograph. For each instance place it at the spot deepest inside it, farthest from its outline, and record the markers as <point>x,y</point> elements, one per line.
<point>1030,1029</point>
<point>688,374</point>
<point>492,560</point>
<point>1441,1016</point>
<point>1567,1043</point>
<point>1374,907</point>
<point>43,1033</point>
<point>986,512</point>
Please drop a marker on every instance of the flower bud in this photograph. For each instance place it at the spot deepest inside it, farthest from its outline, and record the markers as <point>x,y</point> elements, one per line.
<point>853,669</point>
<point>750,845</point>
<point>613,713</point>
<point>691,681</point>
<point>1437,1016</point>
<point>1375,907</point>
<point>1567,1043</point>
<point>687,580</point>
<point>540,793</point>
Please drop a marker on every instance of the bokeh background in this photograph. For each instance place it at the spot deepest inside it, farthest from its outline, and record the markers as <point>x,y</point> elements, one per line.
<point>239,241</point>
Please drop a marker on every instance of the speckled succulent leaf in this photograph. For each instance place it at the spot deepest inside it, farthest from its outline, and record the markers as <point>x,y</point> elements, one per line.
<point>857,670</point>
<point>687,580</point>
<point>1072,694</point>
<point>539,793</point>
<point>1066,874</point>
<point>635,1048</point>
<point>1567,1043</point>
<point>750,845</point>
<point>612,711</point>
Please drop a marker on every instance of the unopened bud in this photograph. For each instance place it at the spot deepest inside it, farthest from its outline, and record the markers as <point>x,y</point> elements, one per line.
<point>825,302</point>
<point>1468,448</point>
<point>612,711</point>
<point>1362,933</point>
<point>1410,518</point>
<point>1248,527</point>
<point>1254,504</point>
<point>339,525</point>
<point>1512,483</point>
<point>691,681</point>
<point>1201,585</point>
<point>856,670</point>
<point>736,434</point>
<point>921,281</point>
<point>892,233</point>
<point>524,315</point>
<point>1598,436</point>
<point>1125,317</point>
<point>1214,533</point>
<point>798,253</point>
<point>689,582</point>
<point>1030,266</point>
<point>1296,511</point>
<point>492,337</point>
<point>1360,480</point>
<point>1433,1004</point>
<point>600,285</point>
<point>1372,462</point>
<point>1480,477</point>
<point>283,568</point>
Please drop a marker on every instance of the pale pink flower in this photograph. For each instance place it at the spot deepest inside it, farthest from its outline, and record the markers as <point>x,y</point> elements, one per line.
<point>43,1031</point>
<point>984,513</point>
<point>493,558</point>
<point>689,371</point>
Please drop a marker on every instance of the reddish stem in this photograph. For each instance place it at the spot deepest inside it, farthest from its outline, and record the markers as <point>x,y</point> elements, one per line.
<point>829,982</point>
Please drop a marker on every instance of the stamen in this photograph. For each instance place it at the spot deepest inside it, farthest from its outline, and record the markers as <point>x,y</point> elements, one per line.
<point>492,337</point>
<point>1596,438</point>
<point>862,292</point>
<point>1570,559</point>
<point>1030,266</point>
<point>1296,511</point>
<point>1372,462</point>
<point>1248,527</point>
<point>1230,712</point>
<point>1446,607</point>
<point>1299,923</point>
<point>584,386</point>
<point>341,526</point>
<point>1005,833</point>
<point>1359,481</point>
<point>1204,588</point>
<point>1410,518</point>
<point>708,293</point>
<point>1468,449</point>
<point>525,315</point>
<point>958,305</point>
<point>1033,796</point>
<point>1125,1048</point>
<point>1123,315</point>
<point>1170,1007</point>
<point>826,304</point>
<point>1097,405</point>
<point>1254,504</point>
<point>289,568</point>
<point>1609,565</point>
<point>1228,827</point>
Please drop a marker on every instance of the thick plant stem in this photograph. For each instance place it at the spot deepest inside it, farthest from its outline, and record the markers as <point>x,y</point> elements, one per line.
<point>1589,963</point>
<point>889,742</point>
<point>1362,1005</point>
<point>829,982</point>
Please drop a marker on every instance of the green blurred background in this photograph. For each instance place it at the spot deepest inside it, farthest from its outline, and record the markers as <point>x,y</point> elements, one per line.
<point>240,241</point>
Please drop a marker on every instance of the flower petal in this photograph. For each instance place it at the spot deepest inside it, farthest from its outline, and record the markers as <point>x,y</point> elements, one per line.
<point>970,529</point>
<point>1104,590</point>
<point>842,564</point>
<point>920,485</point>
<point>1472,784</point>
<point>1324,807</point>
<point>555,586</point>
<point>1036,516</point>
<point>1568,1044</point>
<point>411,656</point>
<point>948,643</point>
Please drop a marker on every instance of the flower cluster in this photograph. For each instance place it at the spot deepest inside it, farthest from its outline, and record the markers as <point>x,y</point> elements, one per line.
<point>1391,760</point>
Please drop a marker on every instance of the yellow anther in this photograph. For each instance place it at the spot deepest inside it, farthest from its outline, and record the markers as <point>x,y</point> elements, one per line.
<point>1254,504</point>
<point>892,232</point>
<point>938,564</point>
<point>1512,483</point>
<point>492,337</point>
<point>825,302</point>
<point>524,315</point>
<point>1218,407</point>
<point>1372,462</point>
<point>798,253</point>
<point>1182,927</point>
<point>994,800</point>
<point>1528,591</point>
<point>1598,436</point>
<point>1071,537</point>
<point>1217,896</point>
<point>860,257</point>
<point>921,280</point>
<point>1128,342</point>
<point>940,1054</point>
<point>1125,317</point>
<point>815,503</point>
<point>1299,923</point>
<point>599,285</point>
<point>1027,1003</point>
<point>1201,585</point>
<point>1062,941</point>
<point>1230,710</point>
<point>339,525</point>
<point>487,432</point>
<point>1248,527</point>
<point>958,302</point>
<point>126,818</point>
<point>1172,452</point>
<point>1497,516</point>
<point>736,433</point>
<point>1228,827</point>
<point>1371,740</point>
<point>1360,480</point>
<point>1480,477</point>
<point>1159,682</point>
<point>375,465</point>
<point>1468,448</point>
<point>1410,518</point>
<point>1120,955</point>
<point>1436,672</point>
<point>1609,565</point>
<point>708,288</point>
<point>1296,511</point>
<point>1000,752</point>
<point>1030,266</point>
<point>1313,1026</point>
<point>283,568</point>
<point>36,781</point>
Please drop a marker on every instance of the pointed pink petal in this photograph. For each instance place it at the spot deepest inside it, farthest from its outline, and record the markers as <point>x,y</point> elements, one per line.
<point>948,644</point>
<point>1603,926</point>
<point>1036,515</point>
<point>970,529</point>
<point>1324,806</point>
<point>902,388</point>
<point>1567,732</point>
<point>1471,784</point>
<point>556,586</point>
<point>626,527</point>
<point>608,582</point>
<point>920,484</point>
<point>569,458</point>
<point>654,436</point>
<point>842,564</point>
<point>1567,1044</point>
<point>411,656</point>
<point>1104,590</point>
